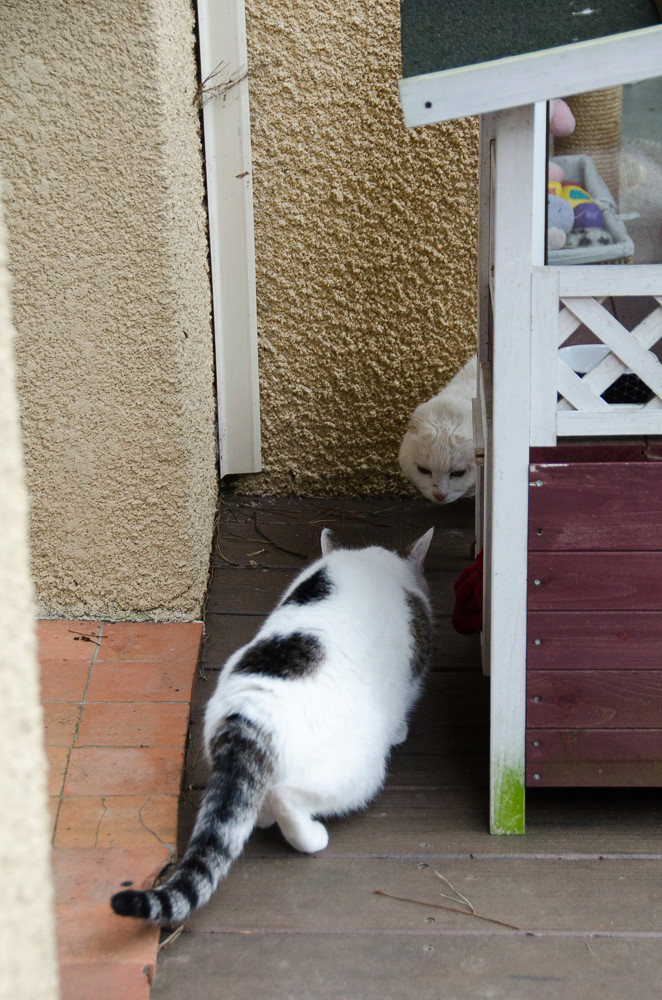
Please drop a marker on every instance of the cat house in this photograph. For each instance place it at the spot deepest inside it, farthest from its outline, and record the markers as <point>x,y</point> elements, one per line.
<point>569,505</point>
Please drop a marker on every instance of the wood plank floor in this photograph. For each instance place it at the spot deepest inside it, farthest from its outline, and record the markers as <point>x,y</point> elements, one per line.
<point>581,888</point>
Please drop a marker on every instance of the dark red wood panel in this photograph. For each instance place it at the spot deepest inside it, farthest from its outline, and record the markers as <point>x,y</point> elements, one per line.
<point>593,744</point>
<point>595,581</point>
<point>595,774</point>
<point>593,450</point>
<point>594,640</point>
<point>594,699</point>
<point>596,506</point>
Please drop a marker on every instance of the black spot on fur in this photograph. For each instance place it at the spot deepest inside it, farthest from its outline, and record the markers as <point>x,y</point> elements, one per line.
<point>420,627</point>
<point>290,656</point>
<point>314,588</point>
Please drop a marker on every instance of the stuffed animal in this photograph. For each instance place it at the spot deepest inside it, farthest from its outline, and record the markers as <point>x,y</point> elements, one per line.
<point>561,118</point>
<point>561,123</point>
<point>587,213</point>
<point>560,220</point>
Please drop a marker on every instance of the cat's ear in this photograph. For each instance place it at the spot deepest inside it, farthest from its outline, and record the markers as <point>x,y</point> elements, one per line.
<point>417,552</point>
<point>329,541</point>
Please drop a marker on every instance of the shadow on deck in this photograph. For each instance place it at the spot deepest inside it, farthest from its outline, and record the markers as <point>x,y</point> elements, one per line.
<point>581,888</point>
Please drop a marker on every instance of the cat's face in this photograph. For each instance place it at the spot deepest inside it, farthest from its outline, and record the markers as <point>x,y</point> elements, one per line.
<point>441,464</point>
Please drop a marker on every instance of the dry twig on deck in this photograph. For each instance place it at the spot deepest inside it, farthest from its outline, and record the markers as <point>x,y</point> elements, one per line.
<point>458,894</point>
<point>170,939</point>
<point>443,906</point>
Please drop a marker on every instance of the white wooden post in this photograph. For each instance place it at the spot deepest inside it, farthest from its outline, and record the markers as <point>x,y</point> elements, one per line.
<point>483,332</point>
<point>518,245</point>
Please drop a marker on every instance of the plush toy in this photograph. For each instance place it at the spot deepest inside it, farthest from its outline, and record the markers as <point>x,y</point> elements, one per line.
<point>587,213</point>
<point>555,173</point>
<point>561,123</point>
<point>560,221</point>
<point>561,118</point>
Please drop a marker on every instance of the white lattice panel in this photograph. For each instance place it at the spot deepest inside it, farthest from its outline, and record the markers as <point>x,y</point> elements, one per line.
<point>565,404</point>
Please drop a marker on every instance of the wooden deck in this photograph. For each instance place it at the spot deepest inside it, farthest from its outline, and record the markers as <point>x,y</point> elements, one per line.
<point>582,888</point>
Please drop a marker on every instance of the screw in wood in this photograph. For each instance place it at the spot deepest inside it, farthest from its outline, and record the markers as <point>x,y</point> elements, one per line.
<point>537,583</point>
<point>537,698</point>
<point>537,642</point>
<point>536,777</point>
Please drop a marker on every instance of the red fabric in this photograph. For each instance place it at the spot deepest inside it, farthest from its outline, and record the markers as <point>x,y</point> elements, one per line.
<point>468,610</point>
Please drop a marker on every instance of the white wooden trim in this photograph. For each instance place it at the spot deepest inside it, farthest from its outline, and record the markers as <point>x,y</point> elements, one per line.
<point>508,471</point>
<point>544,352</point>
<point>484,507</point>
<point>226,122</point>
<point>613,279</point>
<point>484,232</point>
<point>575,390</point>
<point>611,422</point>
<point>534,76</point>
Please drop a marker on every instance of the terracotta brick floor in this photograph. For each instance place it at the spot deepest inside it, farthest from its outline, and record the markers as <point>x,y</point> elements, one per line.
<point>116,704</point>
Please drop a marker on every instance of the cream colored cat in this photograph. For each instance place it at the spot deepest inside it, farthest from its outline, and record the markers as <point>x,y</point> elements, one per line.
<point>437,452</point>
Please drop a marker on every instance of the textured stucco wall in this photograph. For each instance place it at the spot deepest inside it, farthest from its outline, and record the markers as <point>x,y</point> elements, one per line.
<point>27,942</point>
<point>107,238</point>
<point>365,245</point>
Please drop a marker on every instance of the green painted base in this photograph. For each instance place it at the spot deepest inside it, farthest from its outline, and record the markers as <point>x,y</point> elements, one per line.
<point>508,802</point>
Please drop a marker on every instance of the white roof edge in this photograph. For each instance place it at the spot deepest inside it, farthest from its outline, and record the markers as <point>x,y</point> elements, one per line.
<point>534,76</point>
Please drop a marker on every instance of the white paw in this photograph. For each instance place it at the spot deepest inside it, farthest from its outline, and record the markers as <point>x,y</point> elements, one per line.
<point>401,734</point>
<point>314,838</point>
<point>308,836</point>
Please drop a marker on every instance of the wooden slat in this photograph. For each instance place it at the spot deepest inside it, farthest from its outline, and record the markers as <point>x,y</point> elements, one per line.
<point>544,334</point>
<point>618,279</point>
<point>522,892</point>
<point>593,640</point>
<point>595,581</point>
<point>623,419</point>
<point>595,774</point>
<point>611,505</point>
<point>421,820</point>
<point>256,591</point>
<point>591,450</point>
<point>594,745</point>
<point>575,390</point>
<point>308,965</point>
<point>594,699</point>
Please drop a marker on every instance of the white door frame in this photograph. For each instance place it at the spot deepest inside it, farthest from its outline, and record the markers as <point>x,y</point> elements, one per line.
<point>226,124</point>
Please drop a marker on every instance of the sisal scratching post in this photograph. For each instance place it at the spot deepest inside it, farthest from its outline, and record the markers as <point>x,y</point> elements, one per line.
<point>597,132</point>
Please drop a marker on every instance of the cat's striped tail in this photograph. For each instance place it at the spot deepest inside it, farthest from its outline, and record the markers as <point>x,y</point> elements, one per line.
<point>242,764</point>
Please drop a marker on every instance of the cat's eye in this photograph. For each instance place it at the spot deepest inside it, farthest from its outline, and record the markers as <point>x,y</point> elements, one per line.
<point>458,473</point>
<point>423,471</point>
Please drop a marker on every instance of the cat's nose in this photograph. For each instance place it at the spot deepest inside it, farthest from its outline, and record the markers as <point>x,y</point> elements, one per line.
<point>439,497</point>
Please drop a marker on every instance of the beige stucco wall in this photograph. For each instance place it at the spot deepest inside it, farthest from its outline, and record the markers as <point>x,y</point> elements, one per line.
<point>107,236</point>
<point>27,942</point>
<point>365,245</point>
